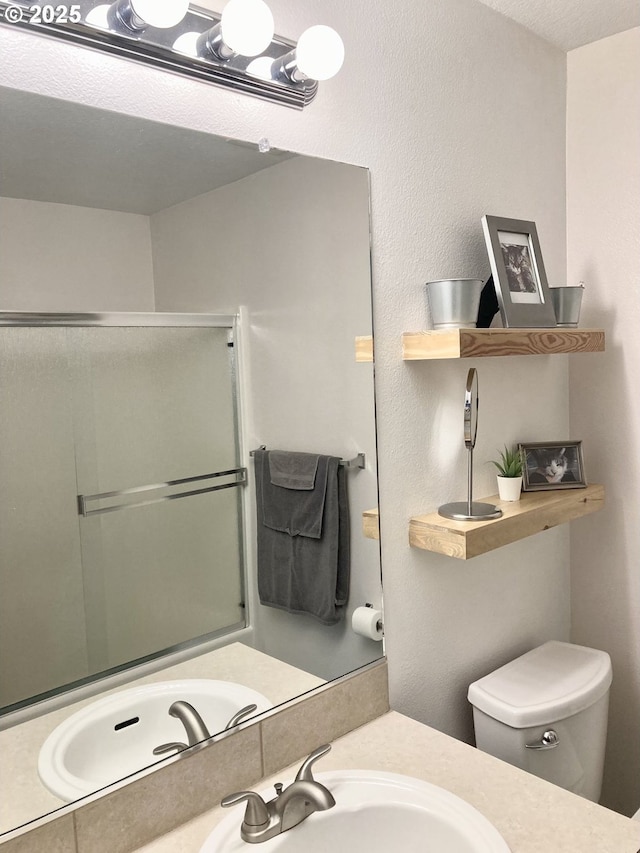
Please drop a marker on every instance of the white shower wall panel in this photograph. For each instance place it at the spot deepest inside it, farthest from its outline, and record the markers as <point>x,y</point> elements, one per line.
<point>107,268</point>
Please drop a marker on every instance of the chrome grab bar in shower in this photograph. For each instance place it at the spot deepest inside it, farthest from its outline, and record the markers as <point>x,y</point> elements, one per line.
<point>240,475</point>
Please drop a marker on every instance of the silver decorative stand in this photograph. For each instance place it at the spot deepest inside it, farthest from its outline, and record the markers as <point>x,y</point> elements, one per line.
<point>470,510</point>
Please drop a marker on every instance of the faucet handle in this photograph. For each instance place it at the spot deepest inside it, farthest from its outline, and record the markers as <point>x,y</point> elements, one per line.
<point>305,774</point>
<point>169,747</point>
<point>256,815</point>
<point>240,715</point>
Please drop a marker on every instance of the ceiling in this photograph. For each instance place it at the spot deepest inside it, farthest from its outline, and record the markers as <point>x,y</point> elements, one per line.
<point>571,23</point>
<point>62,152</point>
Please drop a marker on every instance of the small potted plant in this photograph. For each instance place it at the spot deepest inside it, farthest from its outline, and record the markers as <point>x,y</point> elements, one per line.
<point>509,474</point>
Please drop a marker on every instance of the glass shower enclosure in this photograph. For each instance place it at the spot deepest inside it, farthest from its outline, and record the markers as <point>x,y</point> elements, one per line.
<point>120,508</point>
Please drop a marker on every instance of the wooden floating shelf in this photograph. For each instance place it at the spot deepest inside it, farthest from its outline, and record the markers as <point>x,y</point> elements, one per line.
<point>536,511</point>
<point>479,343</point>
<point>364,348</point>
<point>371,524</point>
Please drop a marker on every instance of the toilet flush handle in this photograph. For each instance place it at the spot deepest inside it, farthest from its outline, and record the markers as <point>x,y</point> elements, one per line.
<point>549,740</point>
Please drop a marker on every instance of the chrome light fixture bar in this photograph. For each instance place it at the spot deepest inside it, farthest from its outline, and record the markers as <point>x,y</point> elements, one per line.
<point>236,50</point>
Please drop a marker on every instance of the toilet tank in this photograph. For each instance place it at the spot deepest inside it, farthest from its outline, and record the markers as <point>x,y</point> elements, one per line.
<point>559,688</point>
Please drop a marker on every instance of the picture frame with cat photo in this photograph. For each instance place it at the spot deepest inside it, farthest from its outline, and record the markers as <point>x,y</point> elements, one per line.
<point>518,273</point>
<point>552,465</point>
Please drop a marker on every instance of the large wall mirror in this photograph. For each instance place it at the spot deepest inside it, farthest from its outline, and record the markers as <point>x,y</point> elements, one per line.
<point>170,302</point>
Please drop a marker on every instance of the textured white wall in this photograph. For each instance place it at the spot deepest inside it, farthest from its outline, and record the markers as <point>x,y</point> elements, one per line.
<point>467,117</point>
<point>603,232</point>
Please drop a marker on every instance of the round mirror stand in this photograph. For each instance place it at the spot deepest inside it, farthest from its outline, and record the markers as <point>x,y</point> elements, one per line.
<point>470,510</point>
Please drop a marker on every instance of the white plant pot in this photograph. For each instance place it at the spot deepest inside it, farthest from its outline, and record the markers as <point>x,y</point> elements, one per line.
<point>509,488</point>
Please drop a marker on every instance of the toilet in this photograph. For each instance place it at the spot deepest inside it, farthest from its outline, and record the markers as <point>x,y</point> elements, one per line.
<point>546,712</point>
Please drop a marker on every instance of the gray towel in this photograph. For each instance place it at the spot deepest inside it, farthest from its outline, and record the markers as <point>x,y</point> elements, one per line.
<point>298,512</point>
<point>303,560</point>
<point>293,470</point>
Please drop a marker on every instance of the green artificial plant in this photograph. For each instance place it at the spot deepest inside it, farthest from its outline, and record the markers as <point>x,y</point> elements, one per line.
<point>510,464</point>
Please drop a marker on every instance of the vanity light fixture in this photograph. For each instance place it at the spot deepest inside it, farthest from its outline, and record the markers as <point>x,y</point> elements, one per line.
<point>237,49</point>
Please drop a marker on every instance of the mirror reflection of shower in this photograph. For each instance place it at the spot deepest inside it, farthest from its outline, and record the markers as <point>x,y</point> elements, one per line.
<point>123,493</point>
<point>470,510</point>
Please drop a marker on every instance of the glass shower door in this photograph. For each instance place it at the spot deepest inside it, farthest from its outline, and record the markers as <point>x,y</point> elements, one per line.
<point>42,616</point>
<point>120,509</point>
<point>162,563</point>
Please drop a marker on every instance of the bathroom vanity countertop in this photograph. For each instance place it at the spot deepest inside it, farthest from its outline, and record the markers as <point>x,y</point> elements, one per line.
<point>532,815</point>
<point>27,798</point>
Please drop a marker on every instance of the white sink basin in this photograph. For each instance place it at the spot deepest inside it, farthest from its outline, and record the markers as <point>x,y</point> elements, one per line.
<point>375,812</point>
<point>115,736</point>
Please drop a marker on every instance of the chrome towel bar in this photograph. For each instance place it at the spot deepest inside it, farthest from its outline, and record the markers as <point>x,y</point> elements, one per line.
<point>358,461</point>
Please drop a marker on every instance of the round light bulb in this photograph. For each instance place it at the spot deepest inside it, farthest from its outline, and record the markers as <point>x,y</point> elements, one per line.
<point>97,17</point>
<point>160,13</point>
<point>261,67</point>
<point>187,43</point>
<point>247,26</point>
<point>320,52</point>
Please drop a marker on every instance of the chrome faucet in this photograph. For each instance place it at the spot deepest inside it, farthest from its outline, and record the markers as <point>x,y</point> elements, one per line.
<point>194,725</point>
<point>288,808</point>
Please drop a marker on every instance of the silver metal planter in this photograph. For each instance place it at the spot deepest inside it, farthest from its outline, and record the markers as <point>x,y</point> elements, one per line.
<point>454,302</point>
<point>566,304</point>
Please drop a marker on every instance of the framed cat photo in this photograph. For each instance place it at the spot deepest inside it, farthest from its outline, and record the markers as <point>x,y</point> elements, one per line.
<point>552,465</point>
<point>518,272</point>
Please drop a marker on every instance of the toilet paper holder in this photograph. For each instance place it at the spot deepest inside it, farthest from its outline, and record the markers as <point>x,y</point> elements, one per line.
<point>367,622</point>
<point>379,624</point>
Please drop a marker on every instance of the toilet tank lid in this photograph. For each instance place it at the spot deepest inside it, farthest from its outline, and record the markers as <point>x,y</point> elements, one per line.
<point>547,684</point>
